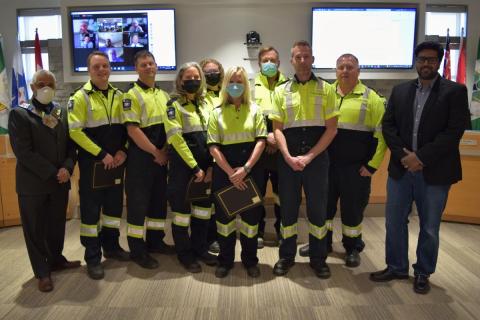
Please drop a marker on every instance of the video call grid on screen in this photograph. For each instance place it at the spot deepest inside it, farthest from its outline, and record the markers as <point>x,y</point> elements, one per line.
<point>381,38</point>
<point>122,33</point>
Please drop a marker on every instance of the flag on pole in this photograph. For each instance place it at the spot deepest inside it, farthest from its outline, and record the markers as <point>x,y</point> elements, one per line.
<point>475,105</point>
<point>19,85</point>
<point>38,53</point>
<point>462,68</point>
<point>4,96</point>
<point>446,59</point>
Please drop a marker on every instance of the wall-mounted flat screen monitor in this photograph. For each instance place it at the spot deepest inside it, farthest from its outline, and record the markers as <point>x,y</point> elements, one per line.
<point>122,33</point>
<point>380,37</point>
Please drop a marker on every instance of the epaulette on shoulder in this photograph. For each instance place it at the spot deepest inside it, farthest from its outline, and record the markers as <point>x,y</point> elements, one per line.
<point>378,93</point>
<point>323,79</point>
<point>130,85</point>
<point>25,106</point>
<point>283,82</point>
<point>75,90</point>
<point>171,101</point>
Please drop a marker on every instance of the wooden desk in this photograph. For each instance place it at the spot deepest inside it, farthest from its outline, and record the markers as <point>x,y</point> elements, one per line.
<point>464,198</point>
<point>9,211</point>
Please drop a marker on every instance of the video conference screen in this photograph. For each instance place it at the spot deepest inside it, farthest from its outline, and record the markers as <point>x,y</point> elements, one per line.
<point>122,33</point>
<point>381,38</point>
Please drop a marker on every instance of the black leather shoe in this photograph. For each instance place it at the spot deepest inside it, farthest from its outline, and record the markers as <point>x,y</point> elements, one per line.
<point>253,272</point>
<point>260,243</point>
<point>192,267</point>
<point>208,258</point>
<point>222,271</point>
<point>161,248</point>
<point>145,261</point>
<point>214,247</point>
<point>321,270</point>
<point>421,284</point>
<point>45,284</point>
<point>386,275</point>
<point>118,254</point>
<point>304,251</point>
<point>352,259</point>
<point>95,271</point>
<point>282,267</point>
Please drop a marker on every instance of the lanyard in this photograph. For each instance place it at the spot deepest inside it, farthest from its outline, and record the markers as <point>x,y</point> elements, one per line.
<point>109,116</point>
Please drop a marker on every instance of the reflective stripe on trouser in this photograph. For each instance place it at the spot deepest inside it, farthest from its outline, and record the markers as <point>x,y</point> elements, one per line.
<point>288,231</point>
<point>146,190</point>
<point>352,232</point>
<point>316,231</point>
<point>195,215</point>
<point>110,222</point>
<point>201,212</point>
<point>353,191</point>
<point>226,225</point>
<point>248,230</point>
<point>314,181</point>
<point>92,202</point>
<point>134,231</point>
<point>154,224</point>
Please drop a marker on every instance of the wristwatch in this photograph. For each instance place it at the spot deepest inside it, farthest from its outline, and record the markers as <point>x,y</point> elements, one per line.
<point>247,169</point>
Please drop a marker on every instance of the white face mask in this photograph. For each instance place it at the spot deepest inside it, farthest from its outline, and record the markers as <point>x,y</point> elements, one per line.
<point>45,95</point>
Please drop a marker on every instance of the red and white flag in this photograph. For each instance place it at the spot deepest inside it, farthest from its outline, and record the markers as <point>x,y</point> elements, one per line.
<point>38,53</point>
<point>462,67</point>
<point>446,59</point>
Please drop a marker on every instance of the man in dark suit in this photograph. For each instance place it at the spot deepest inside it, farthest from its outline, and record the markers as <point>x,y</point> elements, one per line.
<point>422,126</point>
<point>45,161</point>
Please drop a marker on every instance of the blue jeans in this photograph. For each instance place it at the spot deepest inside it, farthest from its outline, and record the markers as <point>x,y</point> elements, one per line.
<point>430,201</point>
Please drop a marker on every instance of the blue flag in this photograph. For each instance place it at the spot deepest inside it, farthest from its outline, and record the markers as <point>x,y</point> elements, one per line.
<point>19,85</point>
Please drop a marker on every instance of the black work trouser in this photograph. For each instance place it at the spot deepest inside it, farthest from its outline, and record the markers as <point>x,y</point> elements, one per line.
<point>353,190</point>
<point>212,228</point>
<point>43,223</point>
<point>272,175</point>
<point>146,190</point>
<point>250,218</point>
<point>109,202</point>
<point>314,180</point>
<point>195,215</point>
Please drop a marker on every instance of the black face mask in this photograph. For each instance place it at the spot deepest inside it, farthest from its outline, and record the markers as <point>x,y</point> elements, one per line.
<point>212,78</point>
<point>191,86</point>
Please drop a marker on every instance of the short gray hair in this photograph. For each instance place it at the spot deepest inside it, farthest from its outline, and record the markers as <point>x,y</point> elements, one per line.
<point>43,72</point>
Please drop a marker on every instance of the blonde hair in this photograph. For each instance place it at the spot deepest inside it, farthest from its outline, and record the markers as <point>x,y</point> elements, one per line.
<point>226,81</point>
<point>179,91</point>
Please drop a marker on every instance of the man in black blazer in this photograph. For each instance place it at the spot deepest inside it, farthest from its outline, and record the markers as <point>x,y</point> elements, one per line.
<point>45,161</point>
<point>423,124</point>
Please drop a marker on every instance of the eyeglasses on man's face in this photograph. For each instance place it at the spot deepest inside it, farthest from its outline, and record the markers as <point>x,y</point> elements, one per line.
<point>429,60</point>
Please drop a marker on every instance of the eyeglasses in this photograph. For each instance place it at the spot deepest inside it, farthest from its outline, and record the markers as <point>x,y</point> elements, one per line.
<point>429,60</point>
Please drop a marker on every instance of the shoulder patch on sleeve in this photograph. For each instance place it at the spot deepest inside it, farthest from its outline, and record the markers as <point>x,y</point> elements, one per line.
<point>171,101</point>
<point>171,113</point>
<point>127,104</point>
<point>70,105</point>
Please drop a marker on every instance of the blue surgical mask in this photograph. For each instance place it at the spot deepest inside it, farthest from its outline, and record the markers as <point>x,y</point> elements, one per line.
<point>269,69</point>
<point>235,90</point>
